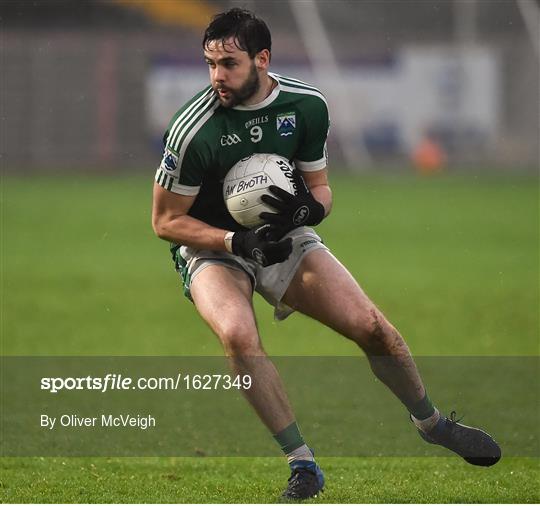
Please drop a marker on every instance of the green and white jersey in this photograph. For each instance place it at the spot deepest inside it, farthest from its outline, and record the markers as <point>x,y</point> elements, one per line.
<point>204,140</point>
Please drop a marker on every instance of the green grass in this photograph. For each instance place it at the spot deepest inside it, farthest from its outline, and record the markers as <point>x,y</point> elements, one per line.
<point>451,260</point>
<point>240,480</point>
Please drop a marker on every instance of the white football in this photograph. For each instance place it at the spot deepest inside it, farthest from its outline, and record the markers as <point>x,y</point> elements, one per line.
<point>249,179</point>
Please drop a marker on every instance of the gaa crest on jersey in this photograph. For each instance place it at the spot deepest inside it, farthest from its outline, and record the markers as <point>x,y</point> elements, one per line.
<point>286,123</point>
<point>170,160</point>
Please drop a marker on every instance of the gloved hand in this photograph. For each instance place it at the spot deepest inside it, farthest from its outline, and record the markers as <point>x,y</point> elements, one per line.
<point>293,210</point>
<point>261,244</point>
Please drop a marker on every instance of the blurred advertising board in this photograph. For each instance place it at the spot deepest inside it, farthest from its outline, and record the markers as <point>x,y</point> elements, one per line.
<point>451,94</point>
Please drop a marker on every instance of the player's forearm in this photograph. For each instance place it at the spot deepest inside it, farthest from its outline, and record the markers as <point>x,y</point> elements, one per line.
<point>323,194</point>
<point>190,231</point>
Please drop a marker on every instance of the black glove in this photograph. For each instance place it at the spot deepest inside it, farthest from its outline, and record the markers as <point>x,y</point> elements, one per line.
<point>261,244</point>
<point>293,210</point>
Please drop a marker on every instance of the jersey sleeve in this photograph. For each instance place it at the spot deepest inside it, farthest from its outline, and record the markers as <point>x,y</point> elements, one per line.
<point>181,173</point>
<point>313,154</point>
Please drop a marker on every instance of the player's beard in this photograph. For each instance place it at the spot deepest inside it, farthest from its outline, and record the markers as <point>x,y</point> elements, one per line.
<point>245,92</point>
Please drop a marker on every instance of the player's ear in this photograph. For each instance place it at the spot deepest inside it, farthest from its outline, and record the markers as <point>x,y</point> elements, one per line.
<point>262,59</point>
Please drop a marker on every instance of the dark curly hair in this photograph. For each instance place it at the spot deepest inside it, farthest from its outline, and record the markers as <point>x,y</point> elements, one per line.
<point>249,32</point>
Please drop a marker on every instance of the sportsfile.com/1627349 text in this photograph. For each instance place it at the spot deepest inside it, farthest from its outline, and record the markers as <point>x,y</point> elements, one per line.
<point>113,381</point>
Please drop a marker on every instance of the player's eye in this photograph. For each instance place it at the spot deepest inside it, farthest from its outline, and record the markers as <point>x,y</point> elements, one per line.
<point>230,64</point>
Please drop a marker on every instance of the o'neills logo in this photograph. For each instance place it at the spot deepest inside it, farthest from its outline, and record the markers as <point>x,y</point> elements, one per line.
<point>256,121</point>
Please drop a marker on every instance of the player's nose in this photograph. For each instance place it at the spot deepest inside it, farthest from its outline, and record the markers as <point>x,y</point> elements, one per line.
<point>219,75</point>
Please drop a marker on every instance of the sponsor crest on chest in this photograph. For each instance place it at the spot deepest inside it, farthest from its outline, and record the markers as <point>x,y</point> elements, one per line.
<point>286,123</point>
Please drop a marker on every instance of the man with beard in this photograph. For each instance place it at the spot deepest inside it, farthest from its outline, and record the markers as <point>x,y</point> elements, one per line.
<point>247,110</point>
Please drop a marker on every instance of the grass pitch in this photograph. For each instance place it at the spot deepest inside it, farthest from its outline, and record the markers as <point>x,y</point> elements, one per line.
<point>249,480</point>
<point>451,260</point>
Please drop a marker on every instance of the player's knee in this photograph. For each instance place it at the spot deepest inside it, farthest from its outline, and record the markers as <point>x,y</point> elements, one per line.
<point>374,333</point>
<point>243,347</point>
<point>239,340</point>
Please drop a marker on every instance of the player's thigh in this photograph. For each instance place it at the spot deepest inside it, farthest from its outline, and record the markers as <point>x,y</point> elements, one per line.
<point>323,289</point>
<point>223,297</point>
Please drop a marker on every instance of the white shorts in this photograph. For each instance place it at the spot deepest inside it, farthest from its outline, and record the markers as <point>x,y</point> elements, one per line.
<point>271,282</point>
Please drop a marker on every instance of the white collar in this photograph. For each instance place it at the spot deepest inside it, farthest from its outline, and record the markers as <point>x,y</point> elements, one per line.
<point>267,101</point>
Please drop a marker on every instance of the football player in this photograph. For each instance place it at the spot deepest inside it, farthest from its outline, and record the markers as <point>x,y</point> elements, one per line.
<point>247,109</point>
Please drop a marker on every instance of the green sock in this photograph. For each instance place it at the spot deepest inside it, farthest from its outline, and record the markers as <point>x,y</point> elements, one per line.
<point>289,438</point>
<point>422,409</point>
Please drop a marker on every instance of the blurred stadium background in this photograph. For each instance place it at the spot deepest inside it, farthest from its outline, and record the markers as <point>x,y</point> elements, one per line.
<point>440,83</point>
